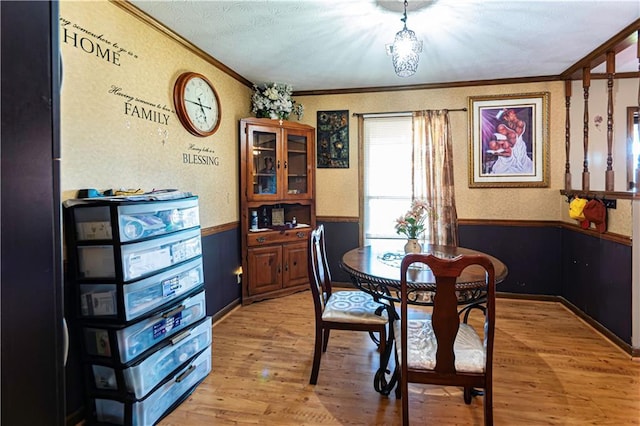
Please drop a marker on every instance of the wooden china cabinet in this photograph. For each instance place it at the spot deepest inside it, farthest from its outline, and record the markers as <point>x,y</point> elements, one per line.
<point>277,183</point>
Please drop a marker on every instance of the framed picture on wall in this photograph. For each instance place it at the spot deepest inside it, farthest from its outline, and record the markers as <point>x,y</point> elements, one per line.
<point>509,140</point>
<point>333,139</point>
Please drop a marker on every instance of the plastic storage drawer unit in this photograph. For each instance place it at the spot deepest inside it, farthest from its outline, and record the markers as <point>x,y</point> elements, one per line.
<point>126,302</point>
<point>152,408</point>
<point>125,343</point>
<point>140,378</point>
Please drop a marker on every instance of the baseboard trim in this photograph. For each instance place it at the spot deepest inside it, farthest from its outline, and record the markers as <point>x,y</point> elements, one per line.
<point>617,341</point>
<point>626,347</point>
<point>222,313</point>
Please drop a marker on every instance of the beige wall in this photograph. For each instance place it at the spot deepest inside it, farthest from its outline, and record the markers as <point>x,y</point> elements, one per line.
<point>105,148</point>
<point>508,203</point>
<point>338,190</point>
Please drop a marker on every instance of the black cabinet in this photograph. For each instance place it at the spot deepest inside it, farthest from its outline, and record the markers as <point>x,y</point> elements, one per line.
<point>32,346</point>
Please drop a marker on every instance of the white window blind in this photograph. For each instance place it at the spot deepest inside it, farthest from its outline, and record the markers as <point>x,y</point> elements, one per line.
<point>387,174</point>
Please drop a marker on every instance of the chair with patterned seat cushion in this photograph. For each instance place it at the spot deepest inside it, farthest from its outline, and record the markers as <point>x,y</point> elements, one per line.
<point>440,349</point>
<point>339,310</point>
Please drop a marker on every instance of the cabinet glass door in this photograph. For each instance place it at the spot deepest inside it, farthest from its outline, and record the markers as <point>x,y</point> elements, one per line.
<point>263,156</point>
<point>296,172</point>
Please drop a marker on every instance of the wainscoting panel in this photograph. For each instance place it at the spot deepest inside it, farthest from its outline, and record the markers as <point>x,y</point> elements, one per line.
<point>340,237</point>
<point>220,259</point>
<point>533,255</point>
<point>596,278</point>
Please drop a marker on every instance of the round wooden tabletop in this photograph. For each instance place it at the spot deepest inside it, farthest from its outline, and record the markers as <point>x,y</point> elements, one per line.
<point>381,265</point>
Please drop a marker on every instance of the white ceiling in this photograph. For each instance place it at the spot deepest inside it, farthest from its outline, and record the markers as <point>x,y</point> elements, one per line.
<point>331,44</point>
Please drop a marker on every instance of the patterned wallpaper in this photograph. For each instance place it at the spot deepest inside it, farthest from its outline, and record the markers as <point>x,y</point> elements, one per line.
<point>119,127</point>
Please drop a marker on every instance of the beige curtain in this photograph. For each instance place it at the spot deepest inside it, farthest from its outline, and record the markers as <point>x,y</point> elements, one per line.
<point>433,174</point>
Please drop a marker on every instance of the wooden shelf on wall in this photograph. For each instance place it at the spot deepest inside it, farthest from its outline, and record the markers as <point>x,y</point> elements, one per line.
<point>608,197</point>
<point>618,195</point>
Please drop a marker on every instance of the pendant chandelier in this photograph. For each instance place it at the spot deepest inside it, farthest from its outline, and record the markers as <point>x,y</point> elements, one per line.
<point>405,49</point>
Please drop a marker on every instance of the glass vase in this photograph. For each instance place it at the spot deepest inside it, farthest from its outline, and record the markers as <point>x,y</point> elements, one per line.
<point>412,246</point>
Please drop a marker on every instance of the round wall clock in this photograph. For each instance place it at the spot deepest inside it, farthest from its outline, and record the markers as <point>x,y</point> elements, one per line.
<point>197,104</point>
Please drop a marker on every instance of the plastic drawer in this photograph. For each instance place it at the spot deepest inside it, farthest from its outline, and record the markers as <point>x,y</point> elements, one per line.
<point>139,259</point>
<point>135,219</point>
<point>149,410</point>
<point>140,378</point>
<point>149,219</point>
<point>127,302</point>
<point>93,223</point>
<point>123,344</point>
<point>96,261</point>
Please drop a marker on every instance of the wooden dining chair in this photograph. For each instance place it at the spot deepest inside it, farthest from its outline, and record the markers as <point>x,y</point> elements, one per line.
<point>339,310</point>
<point>442,350</point>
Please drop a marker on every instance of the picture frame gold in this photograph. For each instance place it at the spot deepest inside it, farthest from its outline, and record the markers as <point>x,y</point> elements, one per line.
<point>509,140</point>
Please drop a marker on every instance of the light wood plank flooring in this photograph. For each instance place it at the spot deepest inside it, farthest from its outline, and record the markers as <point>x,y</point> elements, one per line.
<point>550,368</point>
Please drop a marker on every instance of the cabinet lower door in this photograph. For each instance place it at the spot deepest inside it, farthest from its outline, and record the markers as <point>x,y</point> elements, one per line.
<point>265,269</point>
<point>295,264</point>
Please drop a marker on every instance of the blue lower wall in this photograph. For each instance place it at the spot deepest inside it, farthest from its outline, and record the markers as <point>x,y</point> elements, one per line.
<point>592,273</point>
<point>532,254</point>
<point>340,237</point>
<point>596,278</point>
<point>220,259</point>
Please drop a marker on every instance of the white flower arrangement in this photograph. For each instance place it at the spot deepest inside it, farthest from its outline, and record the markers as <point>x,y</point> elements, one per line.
<point>273,100</point>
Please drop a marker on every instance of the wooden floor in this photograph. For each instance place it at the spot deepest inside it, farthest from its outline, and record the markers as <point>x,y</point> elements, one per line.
<point>550,368</point>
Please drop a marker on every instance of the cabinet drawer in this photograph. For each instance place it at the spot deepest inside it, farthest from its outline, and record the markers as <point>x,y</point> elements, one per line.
<point>126,302</point>
<point>139,259</point>
<point>125,343</point>
<point>149,410</point>
<point>140,378</point>
<point>290,235</point>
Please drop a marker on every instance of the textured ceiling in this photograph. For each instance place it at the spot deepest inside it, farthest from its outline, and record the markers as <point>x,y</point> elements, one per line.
<point>330,44</point>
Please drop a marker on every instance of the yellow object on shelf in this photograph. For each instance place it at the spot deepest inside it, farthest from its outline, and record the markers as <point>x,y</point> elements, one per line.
<point>129,192</point>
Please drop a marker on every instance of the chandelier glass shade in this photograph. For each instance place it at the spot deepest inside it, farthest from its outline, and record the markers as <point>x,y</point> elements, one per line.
<point>405,50</point>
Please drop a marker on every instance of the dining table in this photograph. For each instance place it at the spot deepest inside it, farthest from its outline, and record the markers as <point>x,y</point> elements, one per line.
<point>375,269</point>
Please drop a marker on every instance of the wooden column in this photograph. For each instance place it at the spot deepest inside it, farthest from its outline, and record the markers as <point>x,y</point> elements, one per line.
<point>567,134</point>
<point>611,69</point>
<point>586,82</point>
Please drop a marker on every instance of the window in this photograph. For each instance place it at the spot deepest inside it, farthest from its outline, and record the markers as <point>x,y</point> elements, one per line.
<point>387,174</point>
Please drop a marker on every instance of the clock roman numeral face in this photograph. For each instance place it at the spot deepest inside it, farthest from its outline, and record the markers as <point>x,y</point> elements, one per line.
<point>201,104</point>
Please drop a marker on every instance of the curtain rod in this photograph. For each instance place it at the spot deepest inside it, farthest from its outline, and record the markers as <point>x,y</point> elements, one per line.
<point>355,114</point>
